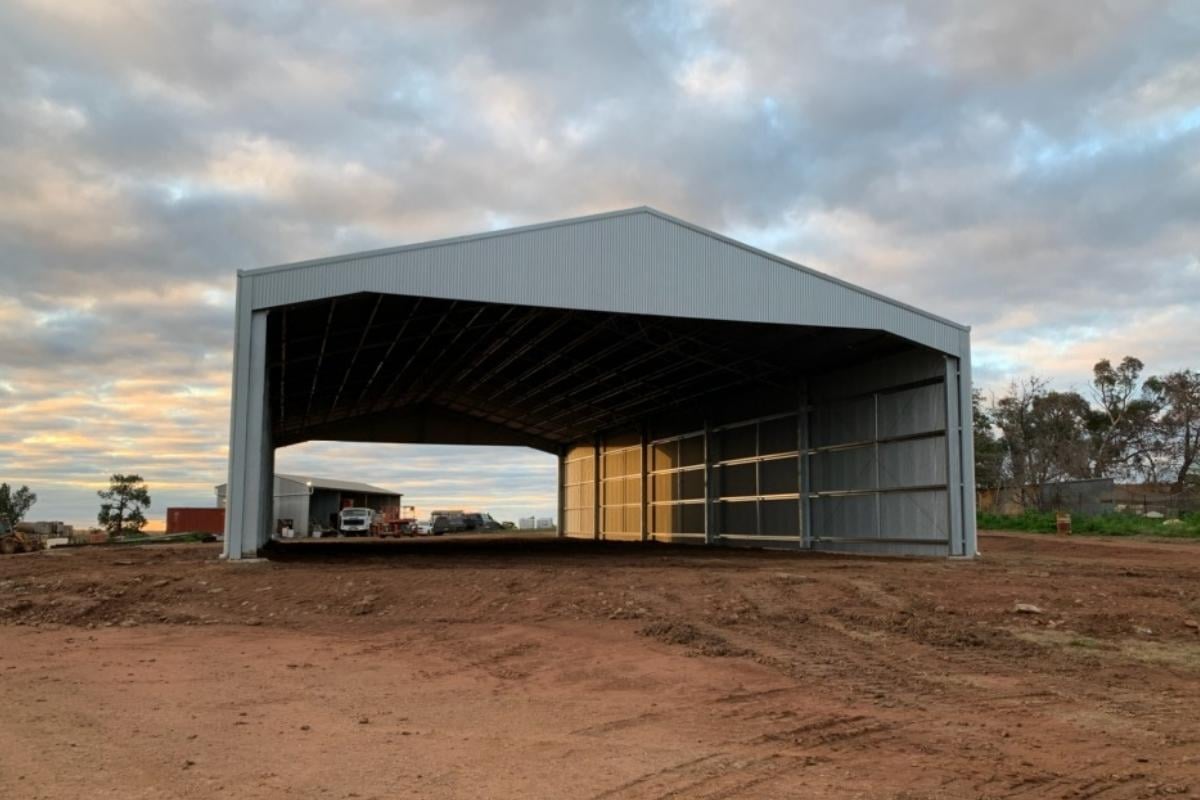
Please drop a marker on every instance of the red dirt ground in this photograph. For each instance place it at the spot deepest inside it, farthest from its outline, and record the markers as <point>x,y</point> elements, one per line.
<point>495,668</point>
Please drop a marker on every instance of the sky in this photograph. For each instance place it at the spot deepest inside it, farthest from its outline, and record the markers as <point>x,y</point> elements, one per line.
<point>1030,169</point>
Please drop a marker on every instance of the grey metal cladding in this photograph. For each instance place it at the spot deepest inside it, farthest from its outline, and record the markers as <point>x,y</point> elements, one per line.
<point>638,261</point>
<point>885,548</point>
<point>843,470</point>
<point>845,516</point>
<point>912,411</point>
<point>916,515</point>
<point>913,462</point>
<point>843,422</point>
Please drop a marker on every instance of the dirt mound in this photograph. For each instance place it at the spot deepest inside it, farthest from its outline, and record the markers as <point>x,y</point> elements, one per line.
<point>697,641</point>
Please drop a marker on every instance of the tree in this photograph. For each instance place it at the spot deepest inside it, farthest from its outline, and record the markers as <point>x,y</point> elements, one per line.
<point>1176,434</point>
<point>1119,426</point>
<point>124,498</point>
<point>15,504</point>
<point>989,450</point>
<point>1043,436</point>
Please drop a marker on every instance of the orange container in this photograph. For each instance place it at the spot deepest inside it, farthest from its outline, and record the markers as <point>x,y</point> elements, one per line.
<point>196,520</point>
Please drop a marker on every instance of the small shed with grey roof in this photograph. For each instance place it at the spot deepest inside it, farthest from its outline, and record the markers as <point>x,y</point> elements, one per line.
<point>693,388</point>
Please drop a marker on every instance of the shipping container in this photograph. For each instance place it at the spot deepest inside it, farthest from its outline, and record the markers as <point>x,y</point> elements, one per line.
<point>196,520</point>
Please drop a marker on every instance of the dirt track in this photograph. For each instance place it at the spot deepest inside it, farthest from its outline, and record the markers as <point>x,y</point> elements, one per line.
<point>547,669</point>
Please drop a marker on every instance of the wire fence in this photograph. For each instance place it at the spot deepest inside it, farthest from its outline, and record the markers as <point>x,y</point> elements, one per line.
<point>1089,497</point>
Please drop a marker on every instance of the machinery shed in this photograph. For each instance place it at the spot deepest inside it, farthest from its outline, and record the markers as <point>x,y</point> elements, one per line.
<point>306,503</point>
<point>693,388</point>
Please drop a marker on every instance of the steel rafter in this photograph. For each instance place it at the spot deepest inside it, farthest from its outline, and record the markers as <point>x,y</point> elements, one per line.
<point>354,358</point>
<point>317,369</point>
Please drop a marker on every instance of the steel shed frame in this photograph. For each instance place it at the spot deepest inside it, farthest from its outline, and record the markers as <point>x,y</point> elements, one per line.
<point>693,388</point>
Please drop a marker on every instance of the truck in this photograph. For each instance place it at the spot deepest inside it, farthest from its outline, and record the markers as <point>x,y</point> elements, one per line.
<point>355,521</point>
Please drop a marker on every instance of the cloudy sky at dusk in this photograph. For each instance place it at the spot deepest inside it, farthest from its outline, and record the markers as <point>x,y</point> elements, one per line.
<point>1031,169</point>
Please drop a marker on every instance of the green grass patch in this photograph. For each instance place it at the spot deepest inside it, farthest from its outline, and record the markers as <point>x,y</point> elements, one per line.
<point>1098,525</point>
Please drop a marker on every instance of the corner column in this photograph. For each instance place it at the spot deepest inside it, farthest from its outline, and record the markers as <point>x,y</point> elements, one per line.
<point>966,425</point>
<point>960,454</point>
<point>249,497</point>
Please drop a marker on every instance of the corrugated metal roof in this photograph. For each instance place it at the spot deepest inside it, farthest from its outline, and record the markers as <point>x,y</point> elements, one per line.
<point>341,486</point>
<point>637,261</point>
<point>329,483</point>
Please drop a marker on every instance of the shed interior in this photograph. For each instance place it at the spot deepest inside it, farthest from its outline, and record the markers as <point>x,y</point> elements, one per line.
<point>667,428</point>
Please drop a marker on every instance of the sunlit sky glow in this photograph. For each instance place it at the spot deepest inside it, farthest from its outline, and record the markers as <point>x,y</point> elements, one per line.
<point>1022,167</point>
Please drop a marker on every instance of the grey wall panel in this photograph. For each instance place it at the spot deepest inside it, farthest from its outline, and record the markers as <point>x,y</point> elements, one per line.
<point>851,516</point>
<point>912,462</point>
<point>295,509</point>
<point>915,515</point>
<point>739,519</point>
<point>843,422</point>
<point>638,261</point>
<point>843,470</point>
<point>917,410</point>
<point>884,548</point>
<point>902,396</point>
<point>780,518</point>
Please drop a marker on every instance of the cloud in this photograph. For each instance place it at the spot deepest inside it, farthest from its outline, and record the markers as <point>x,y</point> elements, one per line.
<point>1023,168</point>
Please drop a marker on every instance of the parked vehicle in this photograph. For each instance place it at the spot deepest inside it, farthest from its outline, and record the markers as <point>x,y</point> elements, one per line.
<point>480,522</point>
<point>446,522</point>
<point>457,521</point>
<point>443,523</point>
<point>355,521</point>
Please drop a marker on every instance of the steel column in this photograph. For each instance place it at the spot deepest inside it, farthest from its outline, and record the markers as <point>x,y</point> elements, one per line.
<point>960,453</point>
<point>710,532</point>
<point>597,518</point>
<point>645,463</point>
<point>561,526</point>
<point>803,484</point>
<point>954,463</point>
<point>250,490</point>
<point>966,428</point>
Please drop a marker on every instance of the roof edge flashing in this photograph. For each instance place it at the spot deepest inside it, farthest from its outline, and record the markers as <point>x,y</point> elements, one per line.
<point>450,240</point>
